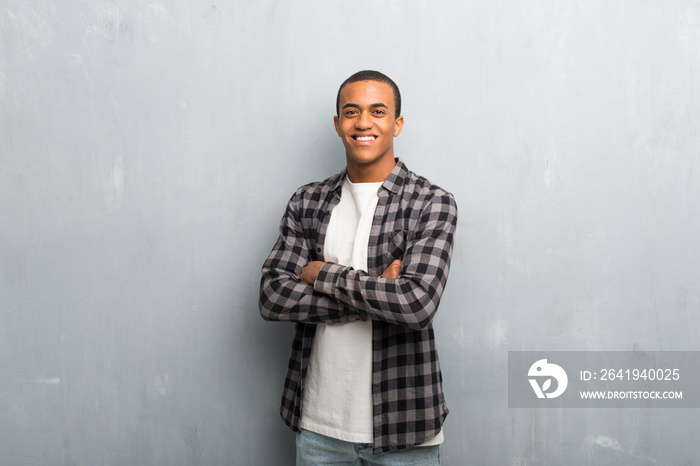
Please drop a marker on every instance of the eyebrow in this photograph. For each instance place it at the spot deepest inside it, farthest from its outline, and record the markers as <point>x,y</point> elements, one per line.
<point>377,105</point>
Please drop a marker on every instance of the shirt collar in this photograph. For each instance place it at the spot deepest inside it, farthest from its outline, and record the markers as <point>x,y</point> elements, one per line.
<point>396,178</point>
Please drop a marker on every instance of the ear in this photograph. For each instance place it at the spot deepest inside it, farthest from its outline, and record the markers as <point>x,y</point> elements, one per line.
<point>398,125</point>
<point>336,122</point>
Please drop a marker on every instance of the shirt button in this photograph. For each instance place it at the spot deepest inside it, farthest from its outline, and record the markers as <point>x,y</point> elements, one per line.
<point>318,249</point>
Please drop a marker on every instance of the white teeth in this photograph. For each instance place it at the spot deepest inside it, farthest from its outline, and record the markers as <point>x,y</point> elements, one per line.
<point>365,138</point>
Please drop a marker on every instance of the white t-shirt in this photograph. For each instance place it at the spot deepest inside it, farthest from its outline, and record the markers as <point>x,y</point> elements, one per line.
<point>338,384</point>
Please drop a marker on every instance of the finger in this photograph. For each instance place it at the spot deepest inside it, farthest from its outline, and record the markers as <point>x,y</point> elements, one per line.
<point>393,270</point>
<point>303,273</point>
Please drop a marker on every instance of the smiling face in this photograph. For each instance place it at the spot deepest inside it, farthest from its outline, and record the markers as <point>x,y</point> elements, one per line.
<point>367,127</point>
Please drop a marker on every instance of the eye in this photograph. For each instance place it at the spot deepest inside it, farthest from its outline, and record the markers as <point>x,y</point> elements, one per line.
<point>351,112</point>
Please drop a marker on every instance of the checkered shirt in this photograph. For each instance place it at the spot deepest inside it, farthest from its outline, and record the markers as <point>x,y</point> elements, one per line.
<point>415,222</point>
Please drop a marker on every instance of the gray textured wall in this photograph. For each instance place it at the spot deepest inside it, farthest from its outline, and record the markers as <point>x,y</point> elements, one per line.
<point>147,149</point>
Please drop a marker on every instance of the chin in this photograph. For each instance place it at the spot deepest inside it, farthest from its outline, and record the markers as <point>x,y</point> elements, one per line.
<point>366,160</point>
<point>366,157</point>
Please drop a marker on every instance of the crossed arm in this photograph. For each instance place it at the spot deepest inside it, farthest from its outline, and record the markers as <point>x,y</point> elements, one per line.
<point>407,293</point>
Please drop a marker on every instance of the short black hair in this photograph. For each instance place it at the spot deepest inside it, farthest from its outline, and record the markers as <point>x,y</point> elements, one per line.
<point>371,75</point>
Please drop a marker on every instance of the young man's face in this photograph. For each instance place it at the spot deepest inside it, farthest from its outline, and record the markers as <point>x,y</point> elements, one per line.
<point>367,123</point>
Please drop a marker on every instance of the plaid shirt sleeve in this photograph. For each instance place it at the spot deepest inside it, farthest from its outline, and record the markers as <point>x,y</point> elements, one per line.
<point>283,297</point>
<point>412,298</point>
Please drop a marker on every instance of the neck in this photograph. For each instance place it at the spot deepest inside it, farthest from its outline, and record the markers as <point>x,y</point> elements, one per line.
<point>372,172</point>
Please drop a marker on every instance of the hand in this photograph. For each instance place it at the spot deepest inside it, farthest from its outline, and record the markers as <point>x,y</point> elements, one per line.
<point>393,270</point>
<point>310,271</point>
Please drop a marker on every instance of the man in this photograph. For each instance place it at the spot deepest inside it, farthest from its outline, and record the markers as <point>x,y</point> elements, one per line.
<point>360,264</point>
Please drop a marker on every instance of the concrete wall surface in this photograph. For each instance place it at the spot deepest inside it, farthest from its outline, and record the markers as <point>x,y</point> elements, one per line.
<point>148,148</point>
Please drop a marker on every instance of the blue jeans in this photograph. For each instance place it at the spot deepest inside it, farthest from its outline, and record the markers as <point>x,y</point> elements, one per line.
<point>316,450</point>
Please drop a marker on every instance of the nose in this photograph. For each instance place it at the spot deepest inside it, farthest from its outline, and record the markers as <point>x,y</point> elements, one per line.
<point>364,121</point>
